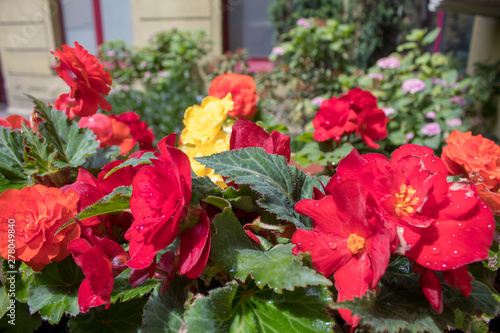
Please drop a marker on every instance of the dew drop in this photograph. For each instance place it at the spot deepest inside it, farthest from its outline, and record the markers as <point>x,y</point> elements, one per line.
<point>456,254</point>
<point>311,243</point>
<point>435,250</point>
<point>461,225</point>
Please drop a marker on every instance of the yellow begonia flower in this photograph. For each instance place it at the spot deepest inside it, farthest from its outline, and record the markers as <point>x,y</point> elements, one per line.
<point>203,122</point>
<point>219,143</point>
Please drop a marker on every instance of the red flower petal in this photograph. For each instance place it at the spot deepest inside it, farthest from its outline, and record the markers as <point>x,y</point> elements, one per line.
<point>459,279</point>
<point>431,286</point>
<point>192,246</point>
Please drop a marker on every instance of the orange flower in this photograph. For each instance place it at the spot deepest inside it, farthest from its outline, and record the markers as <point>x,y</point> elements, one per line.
<point>242,88</point>
<point>33,215</point>
<point>87,79</point>
<point>468,153</point>
<point>109,131</point>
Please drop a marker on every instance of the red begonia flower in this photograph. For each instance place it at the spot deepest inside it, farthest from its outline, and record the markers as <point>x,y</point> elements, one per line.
<point>247,134</point>
<point>13,121</point>
<point>38,212</point>
<point>334,119</point>
<point>195,246</point>
<point>160,194</point>
<point>121,177</point>
<point>360,99</point>
<point>167,269</point>
<point>348,240</point>
<point>101,260</point>
<point>433,219</point>
<point>372,126</point>
<point>431,286</point>
<point>87,79</point>
<point>89,191</point>
<point>109,131</point>
<point>242,88</point>
<point>138,276</point>
<point>138,129</point>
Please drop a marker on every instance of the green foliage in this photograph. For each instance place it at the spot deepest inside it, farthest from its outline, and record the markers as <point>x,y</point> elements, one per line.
<point>116,201</point>
<point>54,290</point>
<point>400,305</point>
<point>24,321</point>
<point>123,291</point>
<point>120,317</point>
<point>11,156</point>
<point>284,14</point>
<point>279,185</point>
<point>159,80</point>
<point>311,60</point>
<point>251,309</point>
<point>443,102</point>
<point>144,159</point>
<point>165,313</point>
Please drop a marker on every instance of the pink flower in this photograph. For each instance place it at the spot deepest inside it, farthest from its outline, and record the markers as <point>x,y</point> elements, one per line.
<point>278,50</point>
<point>387,110</point>
<point>430,115</point>
<point>431,129</point>
<point>413,85</point>
<point>376,76</point>
<point>409,136</point>
<point>459,100</point>
<point>454,122</point>
<point>303,22</point>
<point>388,62</point>
<point>317,100</point>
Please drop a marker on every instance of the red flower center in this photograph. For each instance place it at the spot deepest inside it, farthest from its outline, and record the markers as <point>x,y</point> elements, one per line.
<point>405,200</point>
<point>355,243</point>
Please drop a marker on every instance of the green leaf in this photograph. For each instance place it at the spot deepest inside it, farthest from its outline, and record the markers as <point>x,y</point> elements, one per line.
<point>24,322</point>
<point>203,187</point>
<point>7,184</point>
<point>117,200</point>
<point>11,154</point>
<point>119,318</point>
<point>279,184</point>
<point>283,269</point>
<point>72,143</point>
<point>144,159</point>
<point>164,313</point>
<point>54,290</point>
<point>40,156</point>
<point>250,309</point>
<point>101,157</point>
<point>4,301</point>
<point>123,291</point>
<point>401,306</point>
<point>431,36</point>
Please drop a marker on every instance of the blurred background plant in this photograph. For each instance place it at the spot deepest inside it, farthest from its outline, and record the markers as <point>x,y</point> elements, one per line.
<point>422,92</point>
<point>160,80</point>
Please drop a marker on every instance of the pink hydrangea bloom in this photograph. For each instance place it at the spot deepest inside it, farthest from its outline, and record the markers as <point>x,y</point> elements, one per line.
<point>454,122</point>
<point>303,22</point>
<point>388,62</point>
<point>387,110</point>
<point>413,85</point>
<point>278,50</point>
<point>409,136</point>
<point>317,100</point>
<point>376,76</point>
<point>430,115</point>
<point>431,129</point>
<point>459,100</point>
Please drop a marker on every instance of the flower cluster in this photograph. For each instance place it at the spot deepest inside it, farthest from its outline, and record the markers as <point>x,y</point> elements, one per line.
<point>203,133</point>
<point>38,212</point>
<point>355,111</point>
<point>375,206</point>
<point>242,89</point>
<point>478,159</point>
<point>87,79</point>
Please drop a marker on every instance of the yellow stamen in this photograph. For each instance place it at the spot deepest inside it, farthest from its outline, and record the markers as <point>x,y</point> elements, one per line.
<point>355,243</point>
